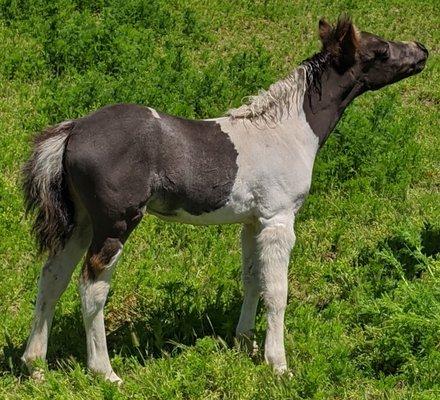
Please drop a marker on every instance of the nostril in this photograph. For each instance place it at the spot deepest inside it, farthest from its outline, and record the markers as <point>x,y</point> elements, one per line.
<point>421,46</point>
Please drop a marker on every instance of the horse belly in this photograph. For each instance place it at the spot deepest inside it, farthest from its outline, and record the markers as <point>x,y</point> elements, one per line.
<point>218,217</point>
<point>235,210</point>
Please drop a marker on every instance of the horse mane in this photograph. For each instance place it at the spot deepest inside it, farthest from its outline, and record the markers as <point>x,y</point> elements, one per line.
<point>271,105</point>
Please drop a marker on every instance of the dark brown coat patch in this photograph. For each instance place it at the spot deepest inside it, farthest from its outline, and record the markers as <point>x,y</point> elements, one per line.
<point>95,263</point>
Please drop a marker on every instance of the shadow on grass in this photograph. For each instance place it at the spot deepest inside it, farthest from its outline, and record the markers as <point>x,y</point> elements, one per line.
<point>399,257</point>
<point>395,336</point>
<point>10,362</point>
<point>430,238</point>
<point>142,334</point>
<point>66,341</point>
<point>177,321</point>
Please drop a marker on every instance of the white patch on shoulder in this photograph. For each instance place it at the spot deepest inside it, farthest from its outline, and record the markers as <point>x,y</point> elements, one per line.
<point>275,166</point>
<point>154,112</point>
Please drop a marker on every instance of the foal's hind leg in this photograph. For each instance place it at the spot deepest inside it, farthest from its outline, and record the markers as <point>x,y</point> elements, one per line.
<point>251,286</point>
<point>54,279</point>
<point>94,285</point>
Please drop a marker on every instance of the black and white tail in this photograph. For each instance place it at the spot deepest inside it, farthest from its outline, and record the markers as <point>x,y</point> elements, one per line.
<point>45,189</point>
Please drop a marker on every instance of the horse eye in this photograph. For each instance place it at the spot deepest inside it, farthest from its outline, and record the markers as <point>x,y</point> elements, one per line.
<point>383,53</point>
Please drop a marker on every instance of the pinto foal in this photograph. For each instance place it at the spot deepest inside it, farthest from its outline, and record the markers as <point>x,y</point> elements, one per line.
<point>91,180</point>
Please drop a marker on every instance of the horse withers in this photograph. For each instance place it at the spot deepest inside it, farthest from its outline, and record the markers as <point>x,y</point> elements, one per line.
<point>91,180</point>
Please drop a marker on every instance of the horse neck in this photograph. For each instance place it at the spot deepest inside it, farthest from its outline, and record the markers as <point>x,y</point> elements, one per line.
<point>325,102</point>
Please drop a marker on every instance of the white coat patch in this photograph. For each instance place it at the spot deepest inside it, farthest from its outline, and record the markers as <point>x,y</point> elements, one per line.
<point>154,112</point>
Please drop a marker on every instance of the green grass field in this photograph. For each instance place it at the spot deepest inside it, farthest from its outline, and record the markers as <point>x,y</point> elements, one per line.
<point>363,320</point>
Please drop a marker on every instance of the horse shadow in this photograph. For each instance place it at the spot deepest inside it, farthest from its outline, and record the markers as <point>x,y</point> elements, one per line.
<point>144,334</point>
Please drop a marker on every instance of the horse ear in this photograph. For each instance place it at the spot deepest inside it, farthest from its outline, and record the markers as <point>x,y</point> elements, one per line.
<point>325,30</point>
<point>347,37</point>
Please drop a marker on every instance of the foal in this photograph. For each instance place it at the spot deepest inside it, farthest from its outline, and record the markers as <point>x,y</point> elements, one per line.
<point>92,179</point>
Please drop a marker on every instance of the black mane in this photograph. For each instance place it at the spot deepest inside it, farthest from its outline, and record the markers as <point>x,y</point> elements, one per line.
<point>315,67</point>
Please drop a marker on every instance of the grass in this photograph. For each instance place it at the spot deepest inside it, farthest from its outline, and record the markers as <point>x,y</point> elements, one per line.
<point>363,320</point>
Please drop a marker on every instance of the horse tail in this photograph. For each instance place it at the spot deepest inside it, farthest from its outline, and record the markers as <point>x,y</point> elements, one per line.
<point>45,189</point>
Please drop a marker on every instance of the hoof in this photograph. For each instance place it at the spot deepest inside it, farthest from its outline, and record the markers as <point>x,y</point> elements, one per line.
<point>106,373</point>
<point>113,378</point>
<point>37,374</point>
<point>246,342</point>
<point>33,368</point>
<point>283,371</point>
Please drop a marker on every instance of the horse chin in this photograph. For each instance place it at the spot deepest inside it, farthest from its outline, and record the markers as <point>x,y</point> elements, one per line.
<point>413,69</point>
<point>420,66</point>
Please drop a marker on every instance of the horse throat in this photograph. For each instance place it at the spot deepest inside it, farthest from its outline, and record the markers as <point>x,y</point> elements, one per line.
<point>326,100</point>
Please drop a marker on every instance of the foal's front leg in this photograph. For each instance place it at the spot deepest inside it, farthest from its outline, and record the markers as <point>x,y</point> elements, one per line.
<point>273,246</point>
<point>251,286</point>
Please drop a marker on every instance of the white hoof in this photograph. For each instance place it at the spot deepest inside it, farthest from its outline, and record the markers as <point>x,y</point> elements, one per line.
<point>35,372</point>
<point>113,378</point>
<point>283,371</point>
<point>246,341</point>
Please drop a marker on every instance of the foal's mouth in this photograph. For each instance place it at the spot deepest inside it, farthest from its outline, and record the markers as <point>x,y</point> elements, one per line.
<point>416,67</point>
<point>420,65</point>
